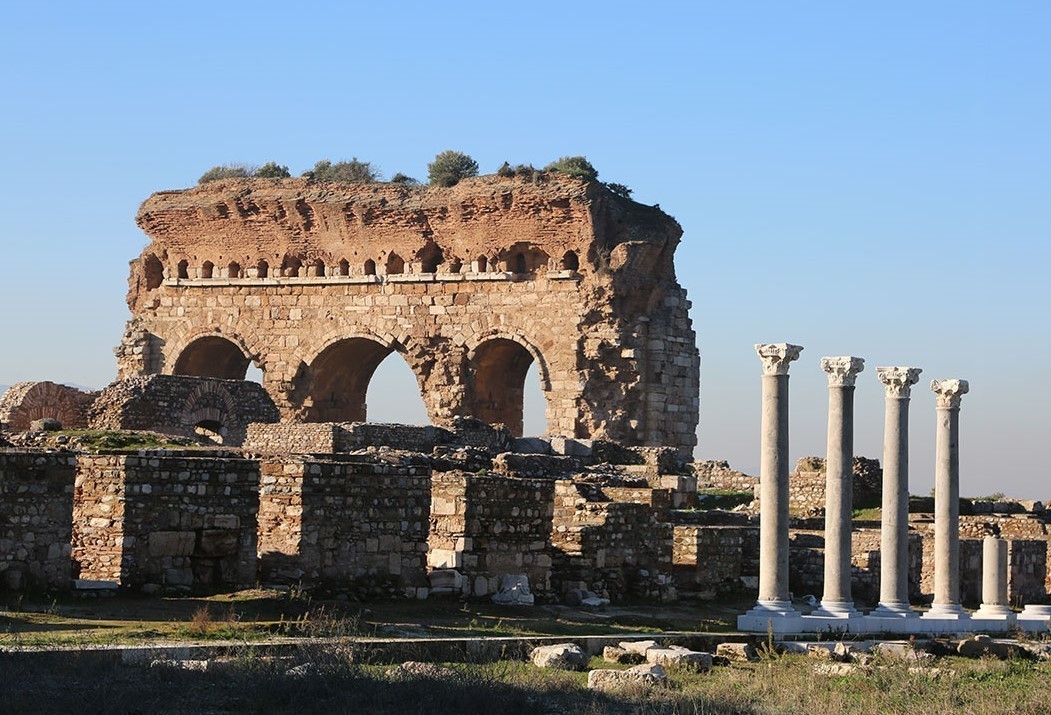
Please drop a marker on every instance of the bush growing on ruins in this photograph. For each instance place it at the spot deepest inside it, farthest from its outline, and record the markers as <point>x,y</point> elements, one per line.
<point>577,166</point>
<point>272,170</point>
<point>226,171</point>
<point>449,167</point>
<point>401,178</point>
<point>353,171</point>
<point>619,189</point>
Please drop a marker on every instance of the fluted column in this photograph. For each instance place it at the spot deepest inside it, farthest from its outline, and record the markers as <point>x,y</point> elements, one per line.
<point>773,479</point>
<point>947,500</point>
<point>894,530</point>
<point>994,581</point>
<point>839,485</point>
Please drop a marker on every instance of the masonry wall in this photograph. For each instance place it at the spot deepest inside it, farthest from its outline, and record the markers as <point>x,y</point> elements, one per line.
<point>714,561</point>
<point>344,524</point>
<point>166,520</point>
<point>36,507</point>
<point>617,548</point>
<point>487,526</point>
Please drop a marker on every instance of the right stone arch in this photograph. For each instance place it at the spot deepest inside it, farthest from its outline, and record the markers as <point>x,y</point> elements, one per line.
<point>496,373</point>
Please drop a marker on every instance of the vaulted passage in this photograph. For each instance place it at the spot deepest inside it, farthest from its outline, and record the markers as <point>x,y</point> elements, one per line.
<point>212,356</point>
<point>496,378</point>
<point>340,378</point>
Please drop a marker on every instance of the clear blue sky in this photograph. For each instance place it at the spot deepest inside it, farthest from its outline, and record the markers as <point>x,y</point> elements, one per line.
<point>867,179</point>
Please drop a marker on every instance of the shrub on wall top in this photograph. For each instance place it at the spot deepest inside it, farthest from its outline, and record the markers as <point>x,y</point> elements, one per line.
<point>449,167</point>
<point>574,166</point>
<point>353,170</point>
<point>272,170</point>
<point>225,171</point>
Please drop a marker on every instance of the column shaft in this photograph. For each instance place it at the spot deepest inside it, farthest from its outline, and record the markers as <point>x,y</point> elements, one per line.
<point>773,491</point>
<point>894,531</point>
<point>947,510</point>
<point>839,491</point>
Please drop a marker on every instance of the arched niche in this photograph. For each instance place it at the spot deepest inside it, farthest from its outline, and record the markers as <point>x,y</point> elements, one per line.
<point>212,356</point>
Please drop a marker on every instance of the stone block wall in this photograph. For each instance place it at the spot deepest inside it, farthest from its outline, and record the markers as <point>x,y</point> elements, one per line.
<point>487,526</point>
<point>715,474</point>
<point>1027,571</point>
<point>344,523</point>
<point>615,547</point>
<point>292,438</point>
<point>711,561</point>
<point>806,485</point>
<point>36,509</point>
<point>166,519</point>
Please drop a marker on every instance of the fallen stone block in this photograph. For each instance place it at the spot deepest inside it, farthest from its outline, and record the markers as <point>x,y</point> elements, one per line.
<point>514,591</point>
<point>562,656</point>
<point>649,675</point>
<point>616,654</point>
<point>901,651</point>
<point>981,646</point>
<point>679,657</point>
<point>415,670</point>
<point>638,646</point>
<point>737,651</point>
<point>837,669</point>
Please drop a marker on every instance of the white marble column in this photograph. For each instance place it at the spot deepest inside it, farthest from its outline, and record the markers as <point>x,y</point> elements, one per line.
<point>994,581</point>
<point>894,530</point>
<point>774,600</point>
<point>836,601</point>
<point>947,501</point>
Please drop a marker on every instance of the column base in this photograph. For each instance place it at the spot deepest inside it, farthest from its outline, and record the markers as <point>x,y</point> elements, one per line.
<point>893,610</point>
<point>994,612</point>
<point>773,617</point>
<point>835,609</point>
<point>947,611</point>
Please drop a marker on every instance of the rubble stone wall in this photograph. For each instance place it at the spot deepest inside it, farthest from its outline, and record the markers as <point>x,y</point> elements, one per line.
<point>26,402</point>
<point>166,519</point>
<point>344,523</point>
<point>488,526</point>
<point>36,508</point>
<point>714,561</point>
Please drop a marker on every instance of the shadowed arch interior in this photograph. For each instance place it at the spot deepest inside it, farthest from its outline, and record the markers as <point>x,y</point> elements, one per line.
<point>496,377</point>
<point>212,356</point>
<point>340,378</point>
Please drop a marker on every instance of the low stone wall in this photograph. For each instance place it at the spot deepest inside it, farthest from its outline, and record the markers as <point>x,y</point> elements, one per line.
<point>344,524</point>
<point>487,526</point>
<point>806,485</point>
<point>715,474</point>
<point>714,561</point>
<point>1027,571</point>
<point>617,548</point>
<point>36,508</point>
<point>291,438</point>
<point>26,402</point>
<point>166,520</point>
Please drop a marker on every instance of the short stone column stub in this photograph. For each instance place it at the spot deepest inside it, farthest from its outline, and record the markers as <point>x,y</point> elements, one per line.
<point>774,603</point>
<point>948,396</point>
<point>894,529</point>
<point>994,580</point>
<point>842,371</point>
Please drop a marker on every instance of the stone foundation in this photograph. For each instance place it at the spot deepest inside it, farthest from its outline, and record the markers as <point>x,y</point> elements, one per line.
<point>344,523</point>
<point>165,519</point>
<point>36,509</point>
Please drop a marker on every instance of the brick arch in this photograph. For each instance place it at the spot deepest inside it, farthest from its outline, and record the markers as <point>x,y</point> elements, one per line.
<point>474,342</point>
<point>498,361</point>
<point>209,403</point>
<point>179,344</point>
<point>28,401</point>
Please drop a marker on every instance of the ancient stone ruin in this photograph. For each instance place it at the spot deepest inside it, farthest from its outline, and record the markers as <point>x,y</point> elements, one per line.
<point>317,283</point>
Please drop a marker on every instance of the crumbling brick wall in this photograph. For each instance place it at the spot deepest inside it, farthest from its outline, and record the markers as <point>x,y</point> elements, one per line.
<point>166,519</point>
<point>25,402</point>
<point>344,523</point>
<point>36,508</point>
<point>487,526</point>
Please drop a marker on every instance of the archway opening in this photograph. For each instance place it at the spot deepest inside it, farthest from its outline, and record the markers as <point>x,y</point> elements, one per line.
<point>570,261</point>
<point>207,269</point>
<point>370,267</point>
<point>318,268</point>
<point>153,270</point>
<point>497,376</point>
<point>394,394</point>
<point>262,269</point>
<point>183,269</point>
<point>344,267</point>
<point>340,378</point>
<point>233,270</point>
<point>430,257</point>
<point>209,431</point>
<point>395,264</point>
<point>534,404</point>
<point>290,267</point>
<point>212,356</point>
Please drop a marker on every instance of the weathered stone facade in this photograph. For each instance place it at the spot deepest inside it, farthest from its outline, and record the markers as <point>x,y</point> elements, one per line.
<point>166,519</point>
<point>218,410</point>
<point>340,523</point>
<point>317,283</point>
<point>36,517</point>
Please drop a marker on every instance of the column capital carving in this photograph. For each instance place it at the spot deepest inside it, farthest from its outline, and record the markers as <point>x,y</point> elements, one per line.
<point>898,381</point>
<point>776,356</point>
<point>949,393</point>
<point>842,370</point>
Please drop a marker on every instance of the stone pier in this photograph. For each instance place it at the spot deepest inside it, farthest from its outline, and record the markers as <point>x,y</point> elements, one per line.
<point>774,608</point>
<point>837,601</point>
<point>894,531</point>
<point>949,394</point>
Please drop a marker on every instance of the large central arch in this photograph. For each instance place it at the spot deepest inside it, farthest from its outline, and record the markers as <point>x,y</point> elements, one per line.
<point>340,377</point>
<point>212,356</point>
<point>496,382</point>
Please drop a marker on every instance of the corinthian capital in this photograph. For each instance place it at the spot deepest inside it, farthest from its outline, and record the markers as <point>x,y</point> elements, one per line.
<point>776,356</point>
<point>898,381</point>
<point>842,370</point>
<point>948,393</point>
